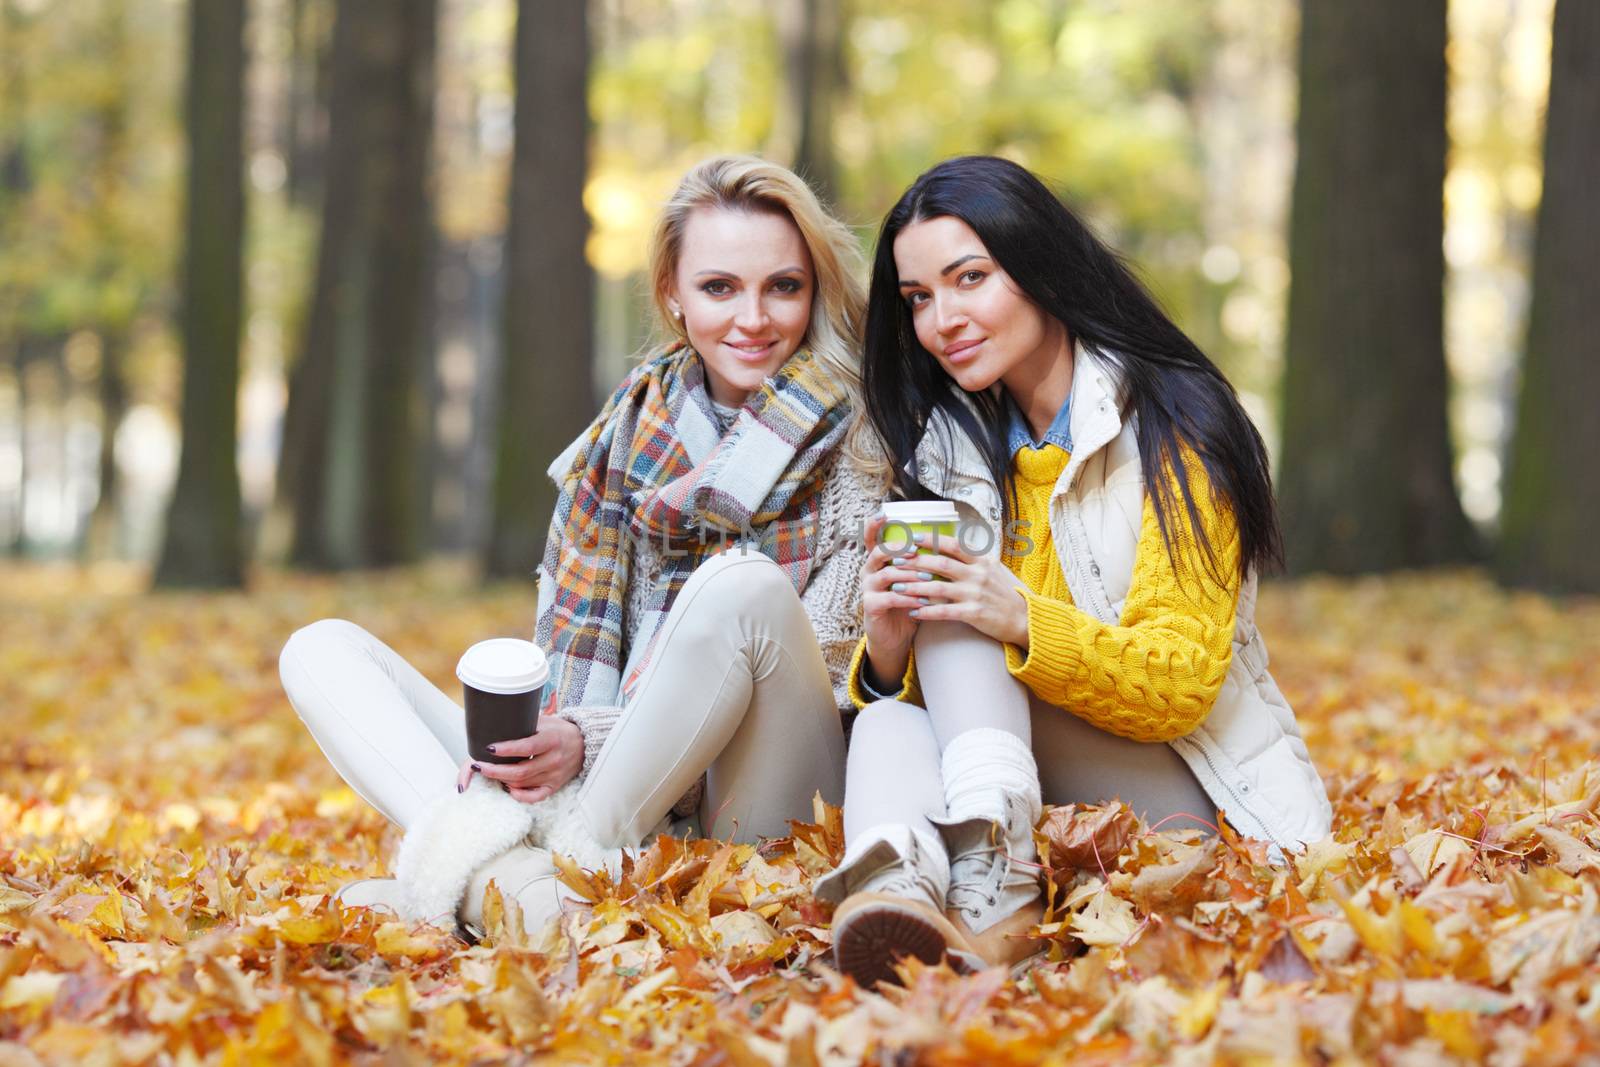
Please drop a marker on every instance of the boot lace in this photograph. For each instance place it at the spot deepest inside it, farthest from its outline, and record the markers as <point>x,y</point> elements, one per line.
<point>976,875</point>
<point>980,871</point>
<point>905,878</point>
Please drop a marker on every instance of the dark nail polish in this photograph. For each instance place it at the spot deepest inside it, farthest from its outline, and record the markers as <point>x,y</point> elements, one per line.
<point>477,768</point>
<point>490,747</point>
<point>460,788</point>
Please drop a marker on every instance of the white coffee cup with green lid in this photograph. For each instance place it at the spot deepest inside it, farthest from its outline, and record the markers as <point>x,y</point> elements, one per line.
<point>904,519</point>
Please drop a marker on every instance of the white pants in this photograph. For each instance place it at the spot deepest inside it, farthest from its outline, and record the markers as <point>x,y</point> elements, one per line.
<point>736,689</point>
<point>896,748</point>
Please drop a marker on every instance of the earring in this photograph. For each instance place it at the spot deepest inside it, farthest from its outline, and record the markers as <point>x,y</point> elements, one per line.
<point>677,313</point>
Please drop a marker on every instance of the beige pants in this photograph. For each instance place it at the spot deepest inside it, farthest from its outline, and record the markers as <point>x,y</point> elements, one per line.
<point>895,748</point>
<point>736,689</point>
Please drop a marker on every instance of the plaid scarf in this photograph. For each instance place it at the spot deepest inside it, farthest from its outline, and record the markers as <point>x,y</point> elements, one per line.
<point>653,466</point>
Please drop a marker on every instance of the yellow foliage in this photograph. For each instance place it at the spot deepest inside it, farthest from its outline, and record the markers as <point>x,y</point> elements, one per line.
<point>170,837</point>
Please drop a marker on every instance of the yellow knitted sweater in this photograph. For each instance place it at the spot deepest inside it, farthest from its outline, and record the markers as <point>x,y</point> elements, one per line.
<point>1155,675</point>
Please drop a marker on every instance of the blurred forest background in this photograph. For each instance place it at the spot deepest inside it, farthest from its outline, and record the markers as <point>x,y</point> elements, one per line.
<point>328,282</point>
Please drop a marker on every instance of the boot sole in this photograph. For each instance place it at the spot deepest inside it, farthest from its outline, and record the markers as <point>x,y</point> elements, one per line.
<point>869,943</point>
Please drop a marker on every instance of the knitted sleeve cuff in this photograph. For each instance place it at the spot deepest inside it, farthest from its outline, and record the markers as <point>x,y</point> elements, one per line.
<point>1054,657</point>
<point>595,724</point>
<point>862,693</point>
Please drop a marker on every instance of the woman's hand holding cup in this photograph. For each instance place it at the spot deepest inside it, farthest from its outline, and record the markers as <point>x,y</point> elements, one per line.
<point>547,760</point>
<point>508,739</point>
<point>889,629</point>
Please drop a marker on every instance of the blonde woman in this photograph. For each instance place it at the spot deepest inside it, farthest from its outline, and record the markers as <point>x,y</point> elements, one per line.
<point>699,597</point>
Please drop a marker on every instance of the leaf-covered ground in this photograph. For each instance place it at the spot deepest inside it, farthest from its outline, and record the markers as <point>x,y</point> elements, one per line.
<point>170,835</point>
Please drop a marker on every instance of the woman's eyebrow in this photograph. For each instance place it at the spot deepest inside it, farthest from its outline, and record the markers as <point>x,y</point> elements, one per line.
<point>964,259</point>
<point>796,269</point>
<point>909,283</point>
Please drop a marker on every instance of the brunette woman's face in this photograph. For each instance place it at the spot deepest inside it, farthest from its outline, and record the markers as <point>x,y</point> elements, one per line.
<point>967,311</point>
<point>744,283</point>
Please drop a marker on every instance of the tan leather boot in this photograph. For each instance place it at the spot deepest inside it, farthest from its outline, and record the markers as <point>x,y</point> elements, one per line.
<point>993,900</point>
<point>892,890</point>
<point>1005,944</point>
<point>991,787</point>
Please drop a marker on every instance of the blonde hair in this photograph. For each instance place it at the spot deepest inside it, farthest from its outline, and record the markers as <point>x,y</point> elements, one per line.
<point>839,300</point>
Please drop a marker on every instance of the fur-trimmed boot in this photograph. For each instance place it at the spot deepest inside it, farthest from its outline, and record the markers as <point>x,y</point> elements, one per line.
<point>452,850</point>
<point>522,872</point>
<point>890,891</point>
<point>991,787</point>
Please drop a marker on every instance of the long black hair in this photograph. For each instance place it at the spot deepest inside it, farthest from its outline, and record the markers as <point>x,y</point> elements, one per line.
<point>1178,395</point>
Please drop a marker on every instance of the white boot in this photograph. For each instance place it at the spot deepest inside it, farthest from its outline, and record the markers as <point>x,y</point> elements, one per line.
<point>993,799</point>
<point>451,850</point>
<point>381,893</point>
<point>527,875</point>
<point>890,889</point>
<point>559,826</point>
<point>457,834</point>
<point>462,840</point>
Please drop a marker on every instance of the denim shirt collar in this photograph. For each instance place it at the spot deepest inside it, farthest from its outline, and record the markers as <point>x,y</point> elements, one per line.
<point>1020,435</point>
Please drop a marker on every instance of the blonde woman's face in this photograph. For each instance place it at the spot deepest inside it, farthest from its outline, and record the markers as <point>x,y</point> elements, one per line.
<point>744,284</point>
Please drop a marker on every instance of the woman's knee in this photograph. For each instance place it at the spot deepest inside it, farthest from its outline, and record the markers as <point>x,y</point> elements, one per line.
<point>736,584</point>
<point>306,642</point>
<point>887,722</point>
<point>947,637</point>
<point>744,573</point>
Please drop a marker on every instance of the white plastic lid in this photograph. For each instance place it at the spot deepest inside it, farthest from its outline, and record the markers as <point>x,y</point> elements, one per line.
<point>504,665</point>
<point>920,511</point>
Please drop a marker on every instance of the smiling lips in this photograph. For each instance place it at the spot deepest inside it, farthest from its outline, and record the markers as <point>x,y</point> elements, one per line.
<point>962,351</point>
<point>752,351</point>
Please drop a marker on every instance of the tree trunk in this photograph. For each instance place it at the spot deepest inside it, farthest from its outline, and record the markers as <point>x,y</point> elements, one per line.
<point>20,355</point>
<point>15,179</point>
<point>398,351</point>
<point>354,427</point>
<point>1366,474</point>
<point>546,391</point>
<point>814,64</point>
<point>203,545</point>
<point>1552,503</point>
<point>102,540</point>
<point>305,113</point>
<point>322,536</point>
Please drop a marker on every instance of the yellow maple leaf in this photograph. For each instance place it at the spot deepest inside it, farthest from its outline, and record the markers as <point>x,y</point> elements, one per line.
<point>1107,921</point>
<point>1197,1013</point>
<point>396,939</point>
<point>315,929</point>
<point>32,992</point>
<point>1433,849</point>
<point>14,899</point>
<point>1457,1031</point>
<point>107,916</point>
<point>383,1014</point>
